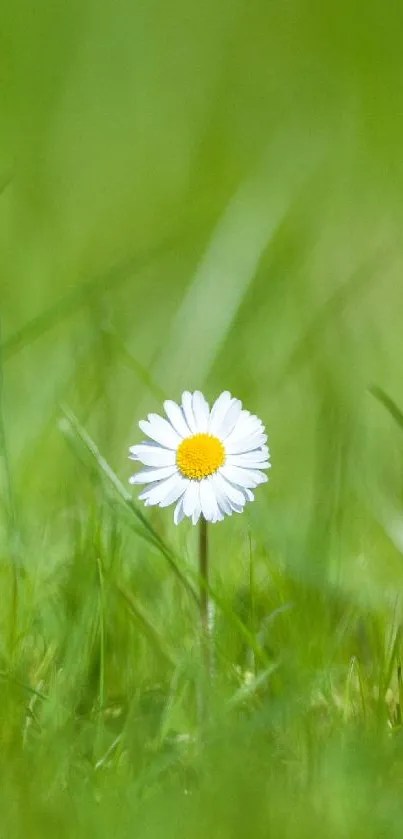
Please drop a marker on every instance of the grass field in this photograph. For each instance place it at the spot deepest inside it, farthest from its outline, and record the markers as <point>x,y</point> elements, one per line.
<point>204,195</point>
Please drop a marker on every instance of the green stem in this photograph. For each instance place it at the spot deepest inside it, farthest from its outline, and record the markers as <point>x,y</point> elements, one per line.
<point>204,604</point>
<point>203,570</point>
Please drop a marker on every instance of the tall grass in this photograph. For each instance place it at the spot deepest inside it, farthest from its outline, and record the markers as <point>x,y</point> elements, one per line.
<point>201,196</point>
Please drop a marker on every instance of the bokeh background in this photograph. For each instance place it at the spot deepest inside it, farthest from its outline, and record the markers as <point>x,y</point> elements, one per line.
<point>203,195</point>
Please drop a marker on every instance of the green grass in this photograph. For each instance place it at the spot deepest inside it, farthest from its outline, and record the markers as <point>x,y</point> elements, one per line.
<point>203,195</point>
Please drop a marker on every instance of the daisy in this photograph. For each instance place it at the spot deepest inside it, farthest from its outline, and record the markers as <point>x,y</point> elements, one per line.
<point>207,462</point>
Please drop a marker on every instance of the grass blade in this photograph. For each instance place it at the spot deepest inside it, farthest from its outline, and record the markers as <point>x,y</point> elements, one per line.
<point>387,403</point>
<point>139,614</point>
<point>124,495</point>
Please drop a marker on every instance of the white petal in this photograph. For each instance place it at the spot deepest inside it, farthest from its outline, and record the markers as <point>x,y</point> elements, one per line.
<point>158,492</point>
<point>208,501</point>
<point>191,498</point>
<point>237,508</point>
<point>233,494</point>
<point>261,452</point>
<point>248,461</point>
<point>188,411</point>
<point>221,496</point>
<point>152,455</point>
<point>218,411</point>
<point>176,492</point>
<point>229,420</point>
<point>196,513</point>
<point>247,424</point>
<point>161,431</point>
<point>219,516</point>
<point>201,412</point>
<point>148,476</point>
<point>179,514</point>
<point>224,506</point>
<point>247,493</point>
<point>243,477</point>
<point>176,418</point>
<point>247,444</point>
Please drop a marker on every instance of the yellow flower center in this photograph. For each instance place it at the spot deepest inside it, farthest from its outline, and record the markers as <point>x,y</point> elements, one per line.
<point>200,456</point>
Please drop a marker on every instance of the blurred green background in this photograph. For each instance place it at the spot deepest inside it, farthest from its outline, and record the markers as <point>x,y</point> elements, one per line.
<point>204,195</point>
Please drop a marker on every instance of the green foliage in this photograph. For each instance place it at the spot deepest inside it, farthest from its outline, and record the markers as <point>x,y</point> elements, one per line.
<point>202,195</point>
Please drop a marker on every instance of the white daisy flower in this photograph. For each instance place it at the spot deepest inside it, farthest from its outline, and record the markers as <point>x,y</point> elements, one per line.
<point>207,462</point>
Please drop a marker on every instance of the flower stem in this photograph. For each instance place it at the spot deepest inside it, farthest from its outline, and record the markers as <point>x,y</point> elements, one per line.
<point>203,571</point>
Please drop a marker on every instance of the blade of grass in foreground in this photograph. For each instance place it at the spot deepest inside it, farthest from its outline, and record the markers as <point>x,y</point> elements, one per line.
<point>7,678</point>
<point>139,614</point>
<point>387,403</point>
<point>247,691</point>
<point>147,530</point>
